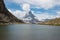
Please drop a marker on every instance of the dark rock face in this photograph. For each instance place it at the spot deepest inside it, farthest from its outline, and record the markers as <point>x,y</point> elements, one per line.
<point>5,15</point>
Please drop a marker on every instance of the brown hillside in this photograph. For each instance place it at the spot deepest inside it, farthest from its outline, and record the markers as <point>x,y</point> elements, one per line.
<point>55,21</point>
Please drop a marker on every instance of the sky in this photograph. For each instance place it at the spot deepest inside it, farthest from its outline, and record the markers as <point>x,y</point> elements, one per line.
<point>42,9</point>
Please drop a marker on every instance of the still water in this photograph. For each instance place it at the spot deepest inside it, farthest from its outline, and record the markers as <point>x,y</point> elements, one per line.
<point>29,32</point>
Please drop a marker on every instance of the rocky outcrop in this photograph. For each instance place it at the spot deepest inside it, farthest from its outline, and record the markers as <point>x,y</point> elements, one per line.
<point>6,16</point>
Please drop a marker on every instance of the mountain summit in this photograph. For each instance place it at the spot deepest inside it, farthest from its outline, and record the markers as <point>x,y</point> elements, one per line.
<point>30,18</point>
<point>29,14</point>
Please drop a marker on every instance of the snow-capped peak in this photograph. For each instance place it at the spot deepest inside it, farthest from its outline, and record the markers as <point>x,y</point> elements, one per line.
<point>30,18</point>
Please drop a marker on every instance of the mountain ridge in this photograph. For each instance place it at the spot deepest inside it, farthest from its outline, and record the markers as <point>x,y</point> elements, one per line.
<point>6,16</point>
<point>30,18</point>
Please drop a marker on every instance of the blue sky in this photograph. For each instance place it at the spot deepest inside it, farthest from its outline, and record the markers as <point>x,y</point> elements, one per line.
<point>42,9</point>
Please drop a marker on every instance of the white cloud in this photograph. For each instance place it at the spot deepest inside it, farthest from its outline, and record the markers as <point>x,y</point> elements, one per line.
<point>26,7</point>
<point>46,4</point>
<point>58,14</point>
<point>44,16</point>
<point>19,14</point>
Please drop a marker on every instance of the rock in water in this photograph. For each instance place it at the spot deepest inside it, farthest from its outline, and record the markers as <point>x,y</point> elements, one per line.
<point>6,16</point>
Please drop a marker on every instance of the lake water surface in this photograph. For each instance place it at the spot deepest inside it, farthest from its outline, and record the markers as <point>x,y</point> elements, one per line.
<point>29,32</point>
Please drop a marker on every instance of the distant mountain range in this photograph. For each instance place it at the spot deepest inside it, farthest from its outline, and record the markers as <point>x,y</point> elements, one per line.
<point>6,16</point>
<point>46,19</point>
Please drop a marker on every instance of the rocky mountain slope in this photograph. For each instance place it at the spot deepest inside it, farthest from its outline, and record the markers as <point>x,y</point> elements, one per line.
<point>55,21</point>
<point>6,16</point>
<point>30,18</point>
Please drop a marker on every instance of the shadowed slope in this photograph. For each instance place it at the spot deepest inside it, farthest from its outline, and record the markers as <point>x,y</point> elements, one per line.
<point>5,15</point>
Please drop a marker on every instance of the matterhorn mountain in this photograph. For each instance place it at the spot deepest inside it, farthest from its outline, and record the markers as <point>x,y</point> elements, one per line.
<point>30,18</point>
